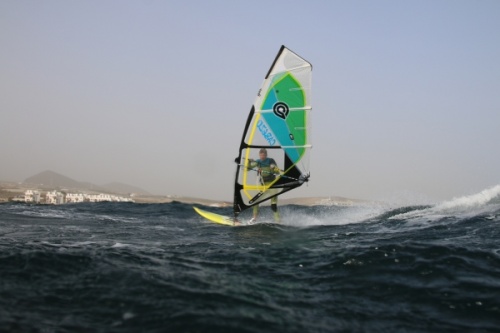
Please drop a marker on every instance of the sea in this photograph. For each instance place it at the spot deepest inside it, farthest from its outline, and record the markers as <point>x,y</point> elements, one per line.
<point>371,267</point>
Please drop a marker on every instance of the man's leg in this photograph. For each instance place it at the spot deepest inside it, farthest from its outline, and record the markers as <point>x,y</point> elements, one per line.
<point>255,212</point>
<point>274,207</point>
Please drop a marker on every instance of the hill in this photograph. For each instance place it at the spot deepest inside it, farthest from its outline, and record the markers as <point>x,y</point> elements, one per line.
<point>124,188</point>
<point>53,180</point>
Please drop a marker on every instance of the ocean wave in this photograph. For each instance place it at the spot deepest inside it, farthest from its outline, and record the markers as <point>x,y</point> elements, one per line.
<point>324,269</point>
<point>486,202</point>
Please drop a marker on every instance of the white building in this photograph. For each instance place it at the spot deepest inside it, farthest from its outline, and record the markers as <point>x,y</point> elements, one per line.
<point>57,198</point>
<point>54,197</point>
<point>98,197</point>
<point>122,199</point>
<point>106,198</point>
<point>32,196</point>
<point>75,197</point>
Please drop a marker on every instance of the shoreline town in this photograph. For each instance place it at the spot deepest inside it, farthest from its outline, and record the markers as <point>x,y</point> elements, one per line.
<point>33,194</point>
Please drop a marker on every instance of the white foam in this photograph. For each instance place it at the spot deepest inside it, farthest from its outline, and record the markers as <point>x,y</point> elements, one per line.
<point>329,216</point>
<point>117,245</point>
<point>471,201</point>
<point>470,205</point>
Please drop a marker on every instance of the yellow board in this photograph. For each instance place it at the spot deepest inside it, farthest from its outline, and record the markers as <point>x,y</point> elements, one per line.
<point>216,218</point>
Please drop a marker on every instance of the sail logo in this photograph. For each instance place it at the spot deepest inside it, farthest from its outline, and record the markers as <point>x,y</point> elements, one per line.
<point>266,133</point>
<point>281,110</point>
<point>256,197</point>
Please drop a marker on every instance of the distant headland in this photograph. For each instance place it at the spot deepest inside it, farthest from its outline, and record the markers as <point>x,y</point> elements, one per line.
<point>51,184</point>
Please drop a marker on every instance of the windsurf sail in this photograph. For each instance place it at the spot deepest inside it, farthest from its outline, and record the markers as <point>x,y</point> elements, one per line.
<point>279,122</point>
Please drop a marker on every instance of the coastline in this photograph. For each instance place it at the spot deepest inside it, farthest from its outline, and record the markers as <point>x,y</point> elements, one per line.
<point>10,190</point>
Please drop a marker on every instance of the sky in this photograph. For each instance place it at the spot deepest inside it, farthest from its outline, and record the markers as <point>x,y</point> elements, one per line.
<point>155,94</point>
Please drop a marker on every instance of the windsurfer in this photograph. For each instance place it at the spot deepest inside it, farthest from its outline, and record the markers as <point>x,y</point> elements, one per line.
<point>267,170</point>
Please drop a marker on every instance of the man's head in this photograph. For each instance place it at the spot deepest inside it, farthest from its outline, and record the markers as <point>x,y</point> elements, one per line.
<point>263,153</point>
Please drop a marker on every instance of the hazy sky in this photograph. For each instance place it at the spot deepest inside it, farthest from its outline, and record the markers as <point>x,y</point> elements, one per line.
<point>406,94</point>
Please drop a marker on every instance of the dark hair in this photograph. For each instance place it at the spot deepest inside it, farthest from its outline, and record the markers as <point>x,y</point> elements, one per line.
<point>263,150</point>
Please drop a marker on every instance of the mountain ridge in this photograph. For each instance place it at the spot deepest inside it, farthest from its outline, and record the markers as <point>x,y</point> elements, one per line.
<point>51,179</point>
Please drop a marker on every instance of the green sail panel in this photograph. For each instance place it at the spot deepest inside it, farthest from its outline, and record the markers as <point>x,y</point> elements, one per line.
<point>287,101</point>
